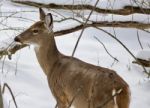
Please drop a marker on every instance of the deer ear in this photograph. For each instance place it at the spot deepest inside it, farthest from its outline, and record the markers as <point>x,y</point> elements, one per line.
<point>49,21</point>
<point>42,14</point>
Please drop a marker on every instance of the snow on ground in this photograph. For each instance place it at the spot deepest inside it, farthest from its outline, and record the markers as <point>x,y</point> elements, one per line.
<point>29,84</point>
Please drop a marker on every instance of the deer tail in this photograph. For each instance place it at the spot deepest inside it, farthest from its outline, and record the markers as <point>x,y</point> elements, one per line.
<point>123,99</point>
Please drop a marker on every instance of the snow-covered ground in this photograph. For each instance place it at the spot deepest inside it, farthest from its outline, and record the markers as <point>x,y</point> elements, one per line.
<point>29,84</point>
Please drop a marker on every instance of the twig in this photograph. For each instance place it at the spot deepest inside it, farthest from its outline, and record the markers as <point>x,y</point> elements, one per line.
<point>3,64</point>
<point>56,105</point>
<point>13,50</point>
<point>19,18</point>
<point>10,12</point>
<point>14,13</point>
<point>120,24</point>
<point>106,49</point>
<point>145,31</point>
<point>74,97</point>
<point>16,69</point>
<point>117,41</point>
<point>5,55</point>
<point>84,28</point>
<point>138,37</point>
<point>109,99</point>
<point>109,34</point>
<point>1,98</point>
<point>6,85</point>
<point>12,28</point>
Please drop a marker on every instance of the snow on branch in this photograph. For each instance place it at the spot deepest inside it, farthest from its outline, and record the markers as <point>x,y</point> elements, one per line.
<point>127,10</point>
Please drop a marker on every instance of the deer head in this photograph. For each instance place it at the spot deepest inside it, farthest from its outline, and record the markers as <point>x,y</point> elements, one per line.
<point>38,31</point>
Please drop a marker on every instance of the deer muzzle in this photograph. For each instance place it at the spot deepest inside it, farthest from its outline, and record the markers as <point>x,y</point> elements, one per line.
<point>17,39</point>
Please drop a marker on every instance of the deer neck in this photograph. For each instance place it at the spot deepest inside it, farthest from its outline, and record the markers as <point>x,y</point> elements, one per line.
<point>47,53</point>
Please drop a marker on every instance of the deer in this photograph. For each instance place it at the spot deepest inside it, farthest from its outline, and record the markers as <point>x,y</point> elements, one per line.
<point>72,81</point>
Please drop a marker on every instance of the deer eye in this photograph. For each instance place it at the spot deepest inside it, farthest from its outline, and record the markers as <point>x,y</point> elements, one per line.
<point>35,31</point>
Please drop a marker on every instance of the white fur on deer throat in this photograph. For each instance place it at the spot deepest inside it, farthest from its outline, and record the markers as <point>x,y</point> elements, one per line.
<point>36,47</point>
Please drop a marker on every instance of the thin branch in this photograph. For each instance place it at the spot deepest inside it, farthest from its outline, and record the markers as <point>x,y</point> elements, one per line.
<point>106,49</point>
<point>127,10</point>
<point>138,37</point>
<point>23,11</point>
<point>109,99</point>
<point>109,34</point>
<point>5,56</point>
<point>16,68</point>
<point>1,98</point>
<point>74,97</point>
<point>11,51</point>
<point>56,106</point>
<point>147,31</point>
<point>117,24</point>
<point>84,28</point>
<point>3,64</point>
<point>6,85</point>
<point>69,18</point>
<point>23,18</point>
<point>12,28</point>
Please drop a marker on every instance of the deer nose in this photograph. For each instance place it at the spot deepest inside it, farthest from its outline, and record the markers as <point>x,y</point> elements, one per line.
<point>17,39</point>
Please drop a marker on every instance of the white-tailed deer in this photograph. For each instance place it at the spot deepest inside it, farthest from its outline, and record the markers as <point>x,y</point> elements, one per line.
<point>72,81</point>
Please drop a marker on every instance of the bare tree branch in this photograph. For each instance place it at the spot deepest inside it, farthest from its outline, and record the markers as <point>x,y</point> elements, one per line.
<point>145,63</point>
<point>83,28</point>
<point>121,24</point>
<point>1,98</point>
<point>127,24</point>
<point>6,85</point>
<point>11,51</point>
<point>109,34</point>
<point>138,37</point>
<point>111,98</point>
<point>127,10</point>
<point>115,59</point>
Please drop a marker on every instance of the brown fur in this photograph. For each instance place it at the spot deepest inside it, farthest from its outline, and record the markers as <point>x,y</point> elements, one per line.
<point>72,80</point>
<point>123,99</point>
